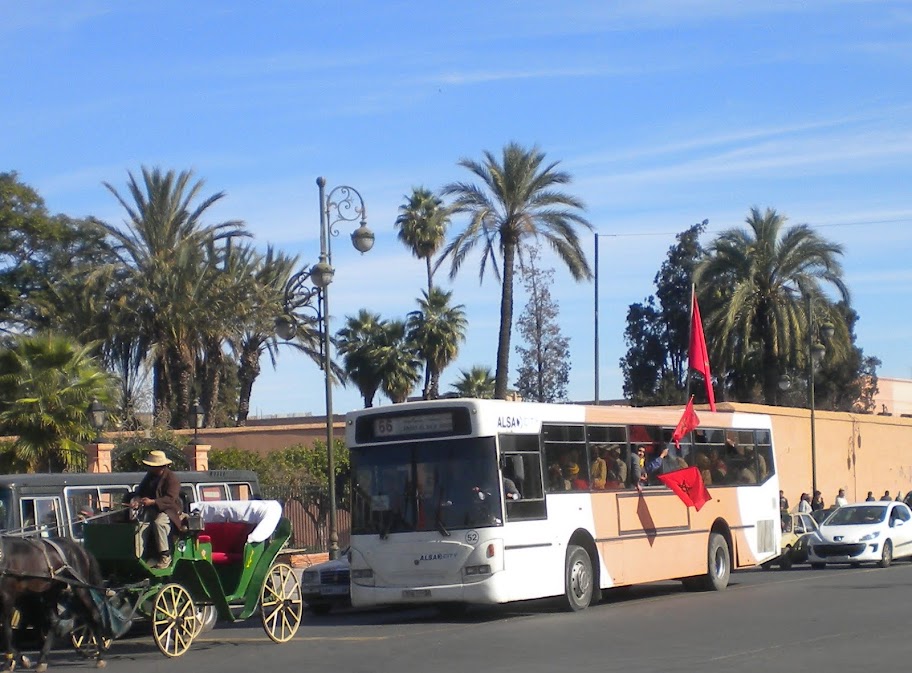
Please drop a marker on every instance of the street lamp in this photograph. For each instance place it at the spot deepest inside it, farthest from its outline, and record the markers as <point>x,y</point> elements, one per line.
<point>97,414</point>
<point>596,314</point>
<point>341,204</point>
<point>816,352</point>
<point>199,417</point>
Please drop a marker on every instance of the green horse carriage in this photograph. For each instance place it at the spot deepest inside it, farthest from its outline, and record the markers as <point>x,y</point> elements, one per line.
<point>223,569</point>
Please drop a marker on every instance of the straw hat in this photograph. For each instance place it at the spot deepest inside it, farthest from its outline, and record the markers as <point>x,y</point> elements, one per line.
<point>157,459</point>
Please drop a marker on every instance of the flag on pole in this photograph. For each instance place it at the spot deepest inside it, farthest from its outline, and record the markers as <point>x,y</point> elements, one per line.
<point>698,356</point>
<point>689,421</point>
<point>688,485</point>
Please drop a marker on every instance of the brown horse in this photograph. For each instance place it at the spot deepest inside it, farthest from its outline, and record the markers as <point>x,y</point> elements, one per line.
<point>41,576</point>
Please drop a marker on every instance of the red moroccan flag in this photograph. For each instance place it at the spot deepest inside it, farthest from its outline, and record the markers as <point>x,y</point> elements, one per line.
<point>688,485</point>
<point>689,421</point>
<point>698,356</point>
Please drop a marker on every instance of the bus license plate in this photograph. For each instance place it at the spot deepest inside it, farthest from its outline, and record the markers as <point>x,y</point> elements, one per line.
<point>416,593</point>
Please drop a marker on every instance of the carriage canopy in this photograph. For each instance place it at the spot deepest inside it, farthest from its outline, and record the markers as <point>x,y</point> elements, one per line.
<point>263,514</point>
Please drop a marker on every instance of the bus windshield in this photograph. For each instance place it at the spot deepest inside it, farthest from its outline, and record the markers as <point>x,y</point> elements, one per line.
<point>418,486</point>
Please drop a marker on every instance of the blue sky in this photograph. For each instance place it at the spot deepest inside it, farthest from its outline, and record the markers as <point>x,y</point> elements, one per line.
<point>665,112</point>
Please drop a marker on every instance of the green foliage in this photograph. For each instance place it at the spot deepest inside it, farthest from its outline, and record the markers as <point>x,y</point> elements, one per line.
<point>233,458</point>
<point>544,369</point>
<point>129,453</point>
<point>436,329</point>
<point>754,284</point>
<point>46,385</point>
<point>477,382</point>
<point>657,331</point>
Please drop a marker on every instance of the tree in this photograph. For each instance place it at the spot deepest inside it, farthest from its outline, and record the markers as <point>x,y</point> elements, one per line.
<point>162,254</point>
<point>752,287</point>
<point>356,343</point>
<point>518,200</point>
<point>422,224</point>
<point>46,385</point>
<point>436,329</point>
<point>545,360</point>
<point>477,382</point>
<point>396,360</point>
<point>657,333</point>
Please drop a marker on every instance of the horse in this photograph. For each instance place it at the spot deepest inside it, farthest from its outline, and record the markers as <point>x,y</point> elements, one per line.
<point>41,577</point>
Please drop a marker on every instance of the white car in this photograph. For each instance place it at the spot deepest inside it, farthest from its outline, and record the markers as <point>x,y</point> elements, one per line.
<point>327,585</point>
<point>877,532</point>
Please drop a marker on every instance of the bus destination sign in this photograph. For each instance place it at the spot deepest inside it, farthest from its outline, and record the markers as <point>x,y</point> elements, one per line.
<point>418,424</point>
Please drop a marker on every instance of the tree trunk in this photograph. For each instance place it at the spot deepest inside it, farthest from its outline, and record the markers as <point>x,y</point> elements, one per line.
<point>212,377</point>
<point>506,323</point>
<point>248,371</point>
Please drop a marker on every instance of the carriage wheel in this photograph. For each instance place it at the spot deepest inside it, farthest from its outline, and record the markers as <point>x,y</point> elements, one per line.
<point>85,642</point>
<point>174,622</point>
<point>281,604</point>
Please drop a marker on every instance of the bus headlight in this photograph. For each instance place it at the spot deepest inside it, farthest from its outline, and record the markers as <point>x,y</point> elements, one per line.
<point>478,570</point>
<point>363,576</point>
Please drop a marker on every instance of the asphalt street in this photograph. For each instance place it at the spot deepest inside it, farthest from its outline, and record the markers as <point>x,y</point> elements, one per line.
<point>838,619</point>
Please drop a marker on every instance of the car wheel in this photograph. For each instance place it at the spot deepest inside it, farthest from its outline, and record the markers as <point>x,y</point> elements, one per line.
<point>886,555</point>
<point>818,566</point>
<point>578,578</point>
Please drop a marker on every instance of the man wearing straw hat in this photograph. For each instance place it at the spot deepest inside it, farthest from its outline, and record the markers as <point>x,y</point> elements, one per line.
<point>159,494</point>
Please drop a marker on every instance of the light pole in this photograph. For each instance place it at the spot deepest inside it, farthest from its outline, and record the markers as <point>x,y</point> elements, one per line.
<point>97,416</point>
<point>341,204</point>
<point>596,314</point>
<point>198,414</point>
<point>816,352</point>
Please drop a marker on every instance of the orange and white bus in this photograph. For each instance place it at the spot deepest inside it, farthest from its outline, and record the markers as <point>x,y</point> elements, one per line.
<point>464,501</point>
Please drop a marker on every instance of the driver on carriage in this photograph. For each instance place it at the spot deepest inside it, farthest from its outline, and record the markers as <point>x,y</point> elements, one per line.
<point>159,494</point>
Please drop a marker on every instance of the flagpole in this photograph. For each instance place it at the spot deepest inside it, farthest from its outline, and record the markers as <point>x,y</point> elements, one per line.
<point>690,335</point>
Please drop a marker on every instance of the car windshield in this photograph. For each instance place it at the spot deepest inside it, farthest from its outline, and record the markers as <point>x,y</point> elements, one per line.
<point>857,516</point>
<point>425,486</point>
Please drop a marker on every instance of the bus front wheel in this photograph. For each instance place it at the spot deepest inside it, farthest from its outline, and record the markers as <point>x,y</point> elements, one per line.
<point>578,577</point>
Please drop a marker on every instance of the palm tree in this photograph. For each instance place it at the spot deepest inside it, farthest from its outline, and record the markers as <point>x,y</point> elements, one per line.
<point>47,383</point>
<point>754,284</point>
<point>396,360</point>
<point>162,253</point>
<point>517,201</point>
<point>356,343</point>
<point>477,382</point>
<point>422,225</point>
<point>436,329</point>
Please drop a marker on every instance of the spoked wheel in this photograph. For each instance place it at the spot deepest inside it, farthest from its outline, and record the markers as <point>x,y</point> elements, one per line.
<point>174,622</point>
<point>86,643</point>
<point>281,603</point>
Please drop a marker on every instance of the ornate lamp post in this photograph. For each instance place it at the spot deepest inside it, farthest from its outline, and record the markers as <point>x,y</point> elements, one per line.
<point>198,414</point>
<point>97,416</point>
<point>341,204</point>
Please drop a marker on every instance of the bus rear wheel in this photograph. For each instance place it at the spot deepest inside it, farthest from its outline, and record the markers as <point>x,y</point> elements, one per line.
<point>718,567</point>
<point>578,579</point>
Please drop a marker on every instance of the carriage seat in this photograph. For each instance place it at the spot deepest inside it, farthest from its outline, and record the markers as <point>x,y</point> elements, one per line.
<point>228,539</point>
<point>230,525</point>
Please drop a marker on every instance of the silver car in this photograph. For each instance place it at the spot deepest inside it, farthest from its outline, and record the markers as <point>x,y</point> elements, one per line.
<point>327,585</point>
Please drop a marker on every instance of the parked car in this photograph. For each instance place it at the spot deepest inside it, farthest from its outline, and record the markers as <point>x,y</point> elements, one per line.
<point>864,532</point>
<point>326,585</point>
<point>820,515</point>
<point>796,529</point>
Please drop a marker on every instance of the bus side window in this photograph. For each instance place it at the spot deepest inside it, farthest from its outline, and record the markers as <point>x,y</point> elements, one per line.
<point>526,468</point>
